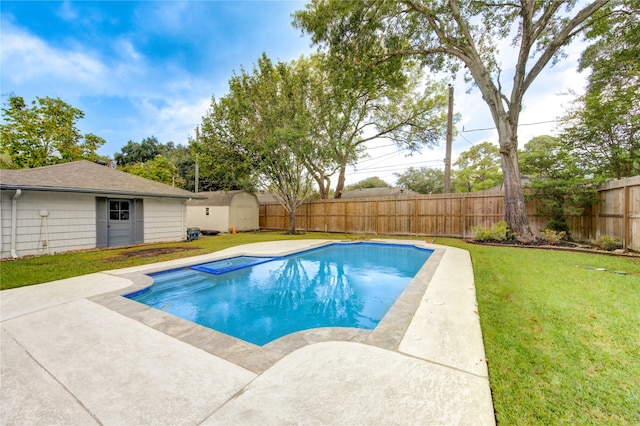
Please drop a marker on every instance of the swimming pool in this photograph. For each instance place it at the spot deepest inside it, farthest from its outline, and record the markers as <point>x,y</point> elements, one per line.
<point>260,299</point>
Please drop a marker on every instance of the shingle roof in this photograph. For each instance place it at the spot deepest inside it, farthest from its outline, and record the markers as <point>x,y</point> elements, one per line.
<point>266,198</point>
<point>87,177</point>
<point>378,192</point>
<point>215,198</point>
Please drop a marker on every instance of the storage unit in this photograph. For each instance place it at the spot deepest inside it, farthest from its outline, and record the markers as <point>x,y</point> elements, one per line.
<point>224,211</point>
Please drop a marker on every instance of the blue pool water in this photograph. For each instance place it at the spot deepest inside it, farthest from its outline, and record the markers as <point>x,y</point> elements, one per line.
<point>260,299</point>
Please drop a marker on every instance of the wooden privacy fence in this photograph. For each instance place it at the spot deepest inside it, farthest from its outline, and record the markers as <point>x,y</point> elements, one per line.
<point>453,215</point>
<point>618,212</point>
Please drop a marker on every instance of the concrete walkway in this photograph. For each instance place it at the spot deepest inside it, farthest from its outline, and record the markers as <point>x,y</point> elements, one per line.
<point>74,352</point>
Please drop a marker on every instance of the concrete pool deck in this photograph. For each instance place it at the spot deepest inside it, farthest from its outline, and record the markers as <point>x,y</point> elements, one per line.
<point>75,352</point>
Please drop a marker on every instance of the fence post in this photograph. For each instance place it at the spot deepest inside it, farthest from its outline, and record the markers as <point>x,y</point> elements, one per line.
<point>325,214</point>
<point>464,216</point>
<point>626,228</point>
<point>376,216</point>
<point>415,215</point>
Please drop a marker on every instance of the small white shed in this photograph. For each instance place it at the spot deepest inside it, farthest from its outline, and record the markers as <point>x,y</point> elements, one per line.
<point>223,210</point>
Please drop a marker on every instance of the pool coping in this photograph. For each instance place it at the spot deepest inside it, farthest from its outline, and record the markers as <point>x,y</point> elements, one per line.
<point>67,358</point>
<point>388,334</point>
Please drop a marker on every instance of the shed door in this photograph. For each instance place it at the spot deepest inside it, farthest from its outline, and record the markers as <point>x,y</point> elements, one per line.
<point>102,213</point>
<point>120,223</point>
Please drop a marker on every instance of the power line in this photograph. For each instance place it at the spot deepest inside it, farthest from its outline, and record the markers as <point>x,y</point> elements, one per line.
<point>468,141</point>
<point>519,125</point>
<point>393,167</point>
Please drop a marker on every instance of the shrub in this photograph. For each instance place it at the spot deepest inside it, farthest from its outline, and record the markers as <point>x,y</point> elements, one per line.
<point>607,243</point>
<point>552,236</point>
<point>498,232</point>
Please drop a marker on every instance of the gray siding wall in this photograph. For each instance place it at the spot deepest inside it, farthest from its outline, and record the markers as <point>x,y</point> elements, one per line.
<point>165,219</point>
<point>70,224</point>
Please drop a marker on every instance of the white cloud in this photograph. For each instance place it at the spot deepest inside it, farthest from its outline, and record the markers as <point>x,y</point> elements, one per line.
<point>126,49</point>
<point>67,12</point>
<point>170,119</point>
<point>27,59</point>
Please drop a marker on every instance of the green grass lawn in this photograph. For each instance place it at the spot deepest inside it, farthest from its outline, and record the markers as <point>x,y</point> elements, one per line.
<point>562,341</point>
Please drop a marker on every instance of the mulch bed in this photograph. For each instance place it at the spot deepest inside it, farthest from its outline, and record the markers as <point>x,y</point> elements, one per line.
<point>546,246</point>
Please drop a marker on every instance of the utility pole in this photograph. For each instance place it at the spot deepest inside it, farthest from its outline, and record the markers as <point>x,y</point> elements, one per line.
<point>197,170</point>
<point>447,160</point>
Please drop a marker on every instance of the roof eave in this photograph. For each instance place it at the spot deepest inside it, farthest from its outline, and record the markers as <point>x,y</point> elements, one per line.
<point>98,191</point>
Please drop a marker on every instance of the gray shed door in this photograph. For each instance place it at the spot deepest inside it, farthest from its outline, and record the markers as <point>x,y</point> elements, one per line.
<point>119,222</point>
<point>120,227</point>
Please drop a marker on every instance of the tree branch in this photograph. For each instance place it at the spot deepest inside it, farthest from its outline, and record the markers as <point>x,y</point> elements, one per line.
<point>560,39</point>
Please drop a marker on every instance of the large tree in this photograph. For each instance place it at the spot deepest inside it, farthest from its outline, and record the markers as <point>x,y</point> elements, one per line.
<point>141,152</point>
<point>160,169</point>
<point>603,127</point>
<point>478,168</point>
<point>447,34</point>
<point>370,182</point>
<point>351,105</point>
<point>263,123</point>
<point>43,134</point>
<point>222,164</point>
<point>181,158</point>
<point>424,180</point>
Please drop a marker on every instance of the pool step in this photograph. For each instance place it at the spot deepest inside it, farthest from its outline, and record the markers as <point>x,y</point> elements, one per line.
<point>232,264</point>
<point>190,282</point>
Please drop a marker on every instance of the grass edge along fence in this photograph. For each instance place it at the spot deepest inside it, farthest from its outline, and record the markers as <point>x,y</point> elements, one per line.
<point>453,215</point>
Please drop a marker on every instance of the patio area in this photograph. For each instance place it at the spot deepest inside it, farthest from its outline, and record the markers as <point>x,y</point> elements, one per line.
<point>75,352</point>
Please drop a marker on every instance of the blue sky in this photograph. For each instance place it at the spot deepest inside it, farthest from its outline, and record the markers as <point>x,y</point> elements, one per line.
<point>138,69</point>
<point>149,68</point>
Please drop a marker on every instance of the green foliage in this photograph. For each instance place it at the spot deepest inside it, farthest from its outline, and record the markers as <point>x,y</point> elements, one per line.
<point>141,152</point>
<point>350,104</point>
<point>605,242</point>
<point>478,168</point>
<point>603,128</point>
<point>180,157</point>
<point>43,134</point>
<point>221,165</point>
<point>424,180</point>
<point>498,232</point>
<point>162,162</point>
<point>159,169</point>
<point>263,126</point>
<point>552,236</point>
<point>559,185</point>
<point>372,182</point>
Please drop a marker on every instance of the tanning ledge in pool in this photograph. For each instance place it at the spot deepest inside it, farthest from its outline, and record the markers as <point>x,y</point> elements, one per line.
<point>232,264</point>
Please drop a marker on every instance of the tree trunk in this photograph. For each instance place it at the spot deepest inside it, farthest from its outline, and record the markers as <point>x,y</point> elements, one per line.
<point>341,180</point>
<point>514,205</point>
<point>506,122</point>
<point>324,185</point>
<point>292,222</point>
